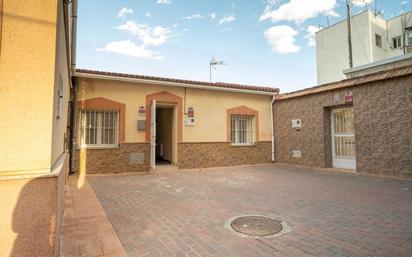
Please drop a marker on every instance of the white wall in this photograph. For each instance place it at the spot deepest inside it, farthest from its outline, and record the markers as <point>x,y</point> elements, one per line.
<point>332,48</point>
<point>395,29</point>
<point>61,75</point>
<point>332,44</point>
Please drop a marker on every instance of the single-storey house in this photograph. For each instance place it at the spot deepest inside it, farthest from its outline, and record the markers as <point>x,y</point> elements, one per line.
<point>363,123</point>
<point>129,123</point>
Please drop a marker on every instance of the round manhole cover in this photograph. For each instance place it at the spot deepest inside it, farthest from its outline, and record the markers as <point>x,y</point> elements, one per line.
<point>256,225</point>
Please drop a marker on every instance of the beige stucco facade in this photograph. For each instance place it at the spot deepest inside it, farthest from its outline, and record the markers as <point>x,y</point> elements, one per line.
<point>34,81</point>
<point>27,75</point>
<point>209,106</point>
<point>211,126</point>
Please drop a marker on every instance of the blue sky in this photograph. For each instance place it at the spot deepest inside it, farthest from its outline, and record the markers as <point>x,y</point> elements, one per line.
<point>263,42</point>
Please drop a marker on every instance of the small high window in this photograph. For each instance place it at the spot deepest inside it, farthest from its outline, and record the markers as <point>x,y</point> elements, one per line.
<point>242,130</point>
<point>378,40</point>
<point>409,35</point>
<point>98,128</point>
<point>397,42</point>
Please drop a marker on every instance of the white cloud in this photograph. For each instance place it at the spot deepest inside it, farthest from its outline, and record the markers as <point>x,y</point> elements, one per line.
<point>299,10</point>
<point>163,2</point>
<point>129,48</point>
<point>124,12</point>
<point>212,15</point>
<point>148,14</point>
<point>361,3</point>
<point>404,2</point>
<point>148,35</point>
<point>282,39</point>
<point>227,19</point>
<point>311,33</point>
<point>193,16</point>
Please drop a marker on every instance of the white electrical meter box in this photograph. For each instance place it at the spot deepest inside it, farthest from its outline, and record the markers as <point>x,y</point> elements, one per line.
<point>297,154</point>
<point>296,123</point>
<point>189,121</point>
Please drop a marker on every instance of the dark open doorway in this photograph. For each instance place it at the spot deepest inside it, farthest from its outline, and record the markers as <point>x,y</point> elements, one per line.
<point>164,135</point>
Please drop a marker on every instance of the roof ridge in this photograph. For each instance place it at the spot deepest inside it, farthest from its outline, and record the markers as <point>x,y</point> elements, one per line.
<point>204,83</point>
<point>372,77</point>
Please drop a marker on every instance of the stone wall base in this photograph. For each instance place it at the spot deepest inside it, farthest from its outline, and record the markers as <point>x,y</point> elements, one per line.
<point>129,157</point>
<point>135,157</point>
<point>220,154</point>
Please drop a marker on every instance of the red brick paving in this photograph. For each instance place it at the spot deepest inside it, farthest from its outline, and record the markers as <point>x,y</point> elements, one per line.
<point>86,230</point>
<point>182,213</point>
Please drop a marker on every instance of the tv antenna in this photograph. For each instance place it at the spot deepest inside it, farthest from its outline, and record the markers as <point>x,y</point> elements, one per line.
<point>213,62</point>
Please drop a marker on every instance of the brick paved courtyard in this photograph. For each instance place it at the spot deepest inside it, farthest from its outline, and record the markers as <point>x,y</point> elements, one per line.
<point>182,213</point>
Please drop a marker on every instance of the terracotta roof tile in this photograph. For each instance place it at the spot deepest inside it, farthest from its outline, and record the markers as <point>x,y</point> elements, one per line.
<point>374,77</point>
<point>200,83</point>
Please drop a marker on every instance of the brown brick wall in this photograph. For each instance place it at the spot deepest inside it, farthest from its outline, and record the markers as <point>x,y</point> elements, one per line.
<point>114,160</point>
<point>219,154</point>
<point>383,127</point>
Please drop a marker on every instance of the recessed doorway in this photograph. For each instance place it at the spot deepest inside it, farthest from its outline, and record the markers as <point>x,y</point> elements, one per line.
<point>343,138</point>
<point>164,131</point>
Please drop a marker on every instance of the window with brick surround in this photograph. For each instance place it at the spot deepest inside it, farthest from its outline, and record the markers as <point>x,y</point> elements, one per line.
<point>242,130</point>
<point>98,128</point>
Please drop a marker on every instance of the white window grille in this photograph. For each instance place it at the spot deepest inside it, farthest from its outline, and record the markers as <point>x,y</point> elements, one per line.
<point>242,130</point>
<point>98,128</point>
<point>343,132</point>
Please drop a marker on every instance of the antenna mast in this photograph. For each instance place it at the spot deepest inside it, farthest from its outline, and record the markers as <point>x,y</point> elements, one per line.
<point>349,33</point>
<point>213,62</point>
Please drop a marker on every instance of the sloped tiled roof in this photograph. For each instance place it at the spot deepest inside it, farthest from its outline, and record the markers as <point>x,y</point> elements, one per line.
<point>374,77</point>
<point>181,81</point>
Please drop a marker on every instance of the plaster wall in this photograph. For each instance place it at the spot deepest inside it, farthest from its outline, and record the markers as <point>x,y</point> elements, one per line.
<point>27,80</point>
<point>209,108</point>
<point>60,99</point>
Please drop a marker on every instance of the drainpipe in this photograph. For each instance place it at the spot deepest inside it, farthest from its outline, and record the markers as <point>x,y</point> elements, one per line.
<point>73,104</point>
<point>74,36</point>
<point>272,124</point>
<point>73,111</point>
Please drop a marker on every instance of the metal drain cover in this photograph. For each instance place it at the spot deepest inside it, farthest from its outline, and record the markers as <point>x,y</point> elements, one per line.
<point>256,225</point>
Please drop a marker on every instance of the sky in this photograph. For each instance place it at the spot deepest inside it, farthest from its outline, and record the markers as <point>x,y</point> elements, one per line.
<point>262,42</point>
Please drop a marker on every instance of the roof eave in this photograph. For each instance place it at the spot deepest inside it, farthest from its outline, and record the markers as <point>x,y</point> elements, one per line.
<point>172,84</point>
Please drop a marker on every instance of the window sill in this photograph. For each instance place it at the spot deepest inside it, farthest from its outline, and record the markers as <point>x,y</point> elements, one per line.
<point>98,147</point>
<point>243,145</point>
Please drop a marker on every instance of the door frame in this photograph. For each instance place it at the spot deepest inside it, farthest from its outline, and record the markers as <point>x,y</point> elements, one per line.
<point>166,97</point>
<point>174,128</point>
<point>153,134</point>
<point>344,163</point>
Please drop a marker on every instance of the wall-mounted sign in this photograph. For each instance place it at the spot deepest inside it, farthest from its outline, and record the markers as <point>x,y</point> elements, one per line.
<point>349,97</point>
<point>141,119</point>
<point>190,112</point>
<point>142,111</point>
<point>190,119</point>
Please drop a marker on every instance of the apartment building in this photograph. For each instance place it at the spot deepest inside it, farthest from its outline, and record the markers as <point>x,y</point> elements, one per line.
<point>373,39</point>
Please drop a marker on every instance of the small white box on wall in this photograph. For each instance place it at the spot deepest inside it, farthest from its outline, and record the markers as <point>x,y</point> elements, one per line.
<point>296,123</point>
<point>297,154</point>
<point>190,117</point>
<point>189,121</point>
